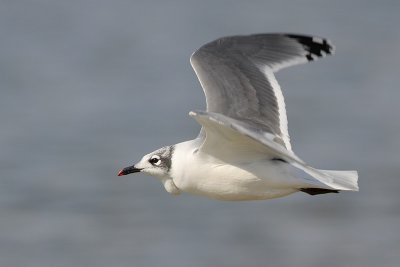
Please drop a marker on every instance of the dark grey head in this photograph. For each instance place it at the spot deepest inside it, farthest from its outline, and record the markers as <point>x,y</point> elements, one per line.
<point>157,163</point>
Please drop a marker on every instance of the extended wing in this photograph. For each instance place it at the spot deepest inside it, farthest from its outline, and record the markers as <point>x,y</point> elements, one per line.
<point>237,76</point>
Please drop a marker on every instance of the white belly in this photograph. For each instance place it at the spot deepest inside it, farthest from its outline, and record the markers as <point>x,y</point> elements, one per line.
<point>246,182</point>
<point>202,174</point>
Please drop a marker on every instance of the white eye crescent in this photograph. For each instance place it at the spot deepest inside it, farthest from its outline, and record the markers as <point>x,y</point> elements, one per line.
<point>155,160</point>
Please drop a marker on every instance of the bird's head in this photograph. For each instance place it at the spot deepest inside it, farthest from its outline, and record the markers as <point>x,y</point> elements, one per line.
<point>158,164</point>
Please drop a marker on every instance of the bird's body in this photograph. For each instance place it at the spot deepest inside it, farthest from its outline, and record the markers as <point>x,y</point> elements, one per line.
<point>243,151</point>
<point>202,174</point>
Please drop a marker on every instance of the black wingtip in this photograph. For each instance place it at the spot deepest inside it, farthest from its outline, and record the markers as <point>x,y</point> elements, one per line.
<point>315,46</point>
<point>318,191</point>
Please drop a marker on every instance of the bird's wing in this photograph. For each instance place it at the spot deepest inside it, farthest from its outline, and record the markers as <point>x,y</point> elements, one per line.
<point>233,140</point>
<point>237,76</point>
<point>237,142</point>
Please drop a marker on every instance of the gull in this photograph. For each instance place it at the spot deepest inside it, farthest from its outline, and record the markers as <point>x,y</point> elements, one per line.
<point>243,151</point>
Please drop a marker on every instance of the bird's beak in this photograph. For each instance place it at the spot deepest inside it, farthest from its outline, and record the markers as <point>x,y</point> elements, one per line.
<point>128,170</point>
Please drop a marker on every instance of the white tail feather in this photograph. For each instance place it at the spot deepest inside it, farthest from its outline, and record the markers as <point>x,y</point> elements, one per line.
<point>340,180</point>
<point>343,180</point>
<point>329,179</point>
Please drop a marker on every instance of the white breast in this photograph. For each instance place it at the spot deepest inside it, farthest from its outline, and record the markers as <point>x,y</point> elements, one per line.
<point>201,174</point>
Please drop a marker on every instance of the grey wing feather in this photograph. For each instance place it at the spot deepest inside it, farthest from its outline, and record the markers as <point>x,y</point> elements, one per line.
<point>236,74</point>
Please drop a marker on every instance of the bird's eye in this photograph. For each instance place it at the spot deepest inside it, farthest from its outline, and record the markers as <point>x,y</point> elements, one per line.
<point>155,160</point>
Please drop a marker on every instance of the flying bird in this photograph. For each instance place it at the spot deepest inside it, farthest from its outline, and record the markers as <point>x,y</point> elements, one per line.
<point>243,151</point>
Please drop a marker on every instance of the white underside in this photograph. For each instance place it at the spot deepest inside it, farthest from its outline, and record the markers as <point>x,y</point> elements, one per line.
<point>202,174</point>
<point>209,177</point>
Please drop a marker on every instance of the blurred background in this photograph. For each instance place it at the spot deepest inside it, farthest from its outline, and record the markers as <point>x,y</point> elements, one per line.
<point>88,87</point>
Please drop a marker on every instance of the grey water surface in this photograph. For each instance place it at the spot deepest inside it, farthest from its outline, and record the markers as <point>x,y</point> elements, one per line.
<point>88,87</point>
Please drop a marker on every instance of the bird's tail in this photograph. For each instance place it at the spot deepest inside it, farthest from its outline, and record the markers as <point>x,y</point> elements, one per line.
<point>328,179</point>
<point>342,180</point>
